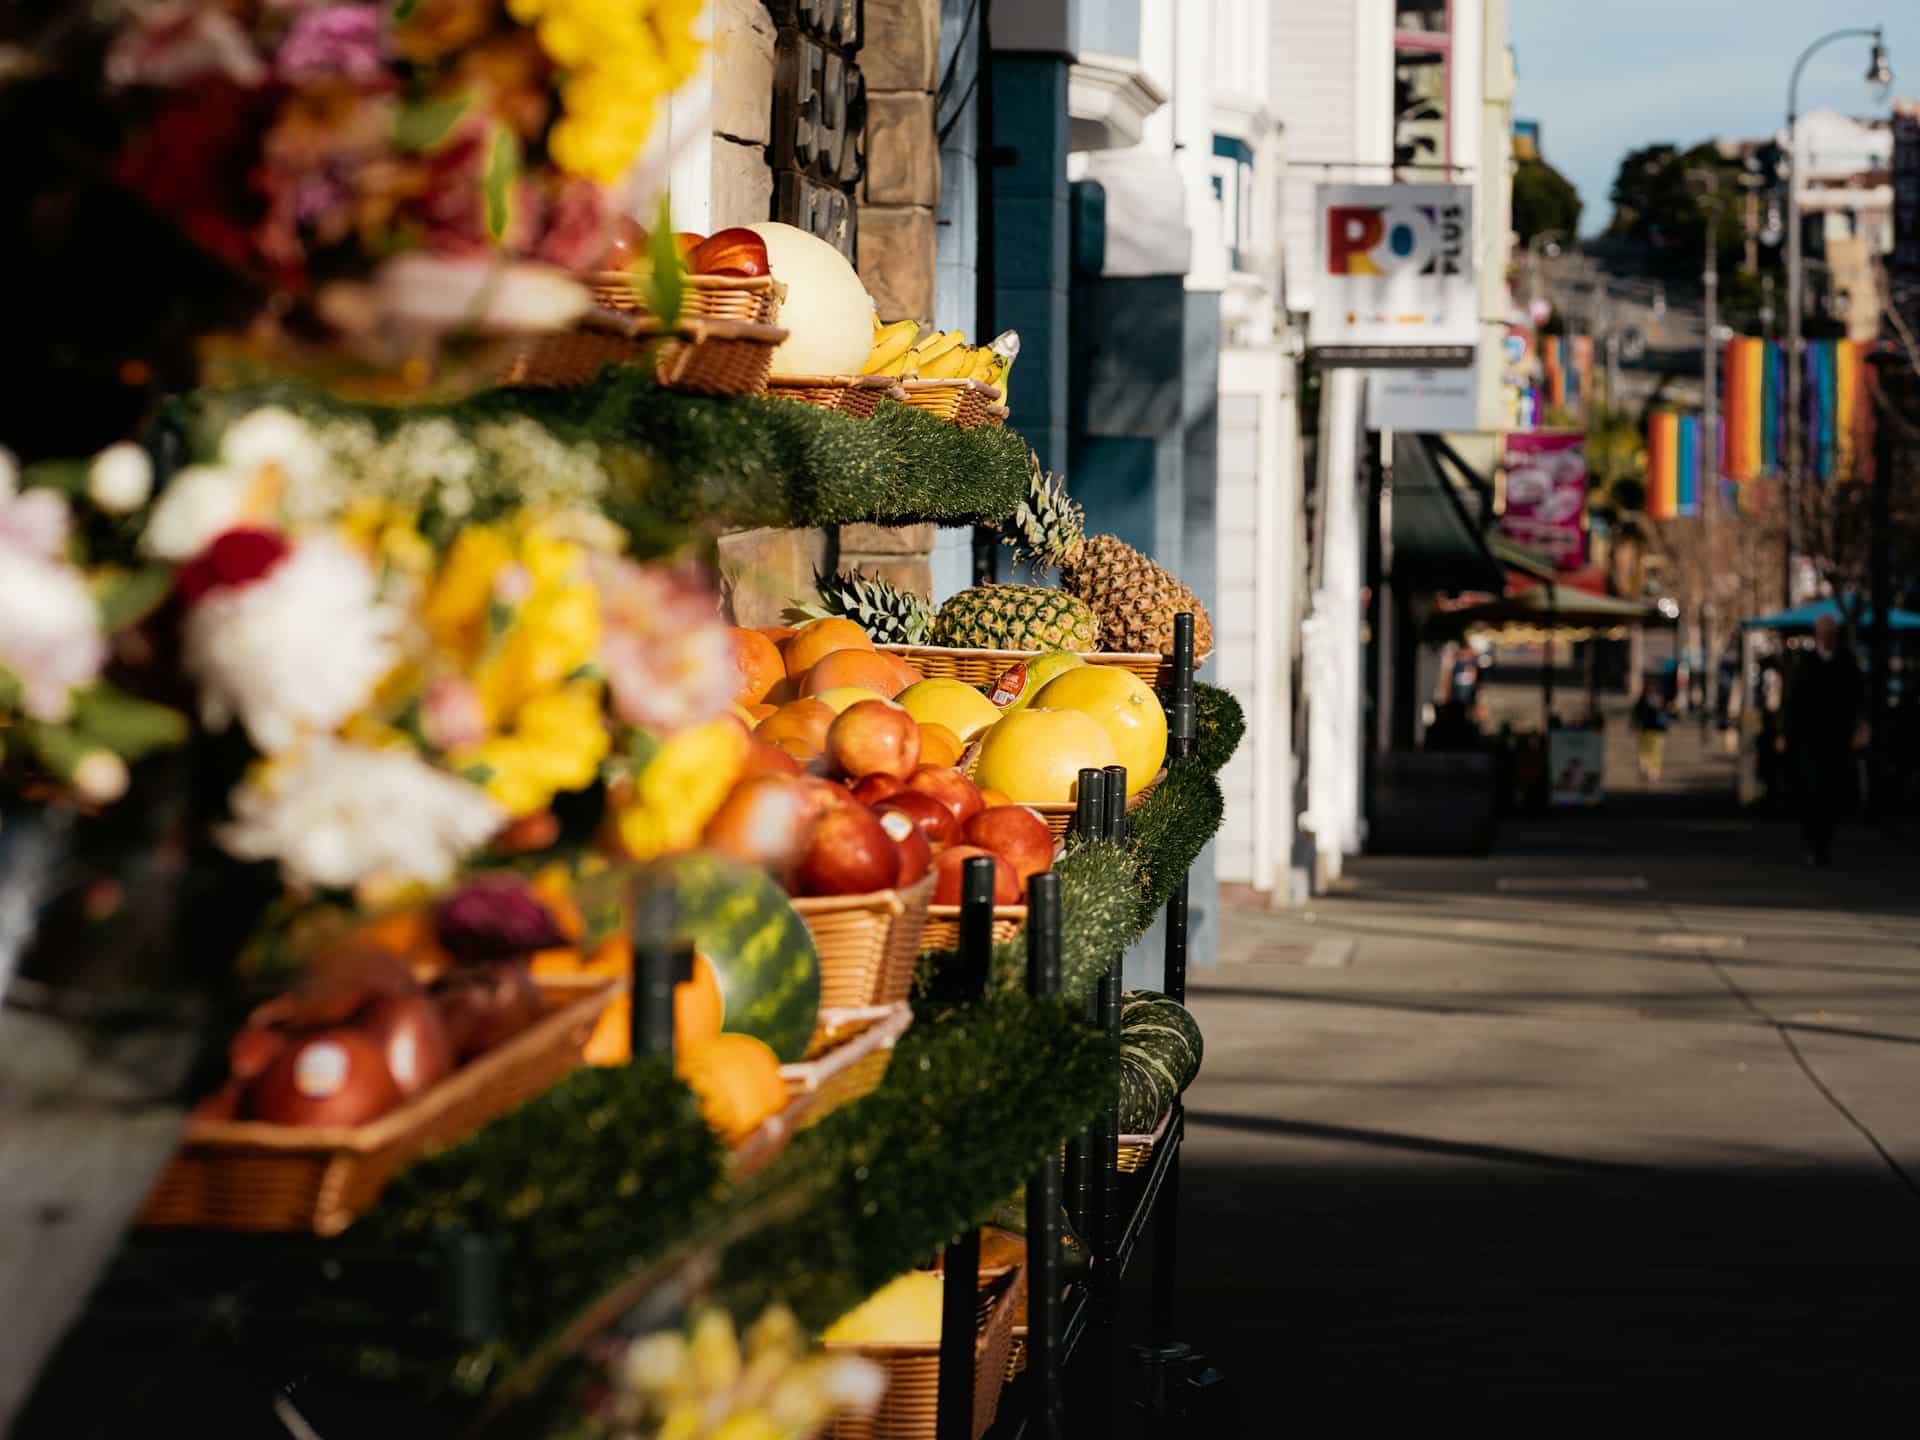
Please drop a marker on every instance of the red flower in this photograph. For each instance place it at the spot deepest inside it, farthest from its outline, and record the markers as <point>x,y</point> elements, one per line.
<point>236,557</point>
<point>495,916</point>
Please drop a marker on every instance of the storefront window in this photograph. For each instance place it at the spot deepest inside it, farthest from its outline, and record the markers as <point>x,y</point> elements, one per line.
<point>1422,82</point>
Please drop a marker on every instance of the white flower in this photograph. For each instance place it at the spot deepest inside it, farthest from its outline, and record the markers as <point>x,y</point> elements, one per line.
<point>436,293</point>
<point>198,504</point>
<point>272,436</point>
<point>35,521</point>
<point>120,478</point>
<point>335,814</point>
<point>49,631</point>
<point>301,649</point>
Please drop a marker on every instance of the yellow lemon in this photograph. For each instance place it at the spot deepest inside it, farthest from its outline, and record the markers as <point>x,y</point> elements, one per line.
<point>1024,679</point>
<point>952,703</point>
<point>1036,756</point>
<point>1124,706</point>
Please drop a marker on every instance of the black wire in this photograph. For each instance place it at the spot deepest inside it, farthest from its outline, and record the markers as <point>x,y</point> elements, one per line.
<point>959,46</point>
<point>960,107</point>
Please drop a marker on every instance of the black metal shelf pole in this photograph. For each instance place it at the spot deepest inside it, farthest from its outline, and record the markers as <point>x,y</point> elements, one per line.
<point>1043,1190</point>
<point>960,1293</point>
<point>1108,1218</point>
<point>1089,823</point>
<point>1166,1231</point>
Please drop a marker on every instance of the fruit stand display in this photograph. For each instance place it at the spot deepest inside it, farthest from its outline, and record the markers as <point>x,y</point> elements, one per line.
<point>606,970</point>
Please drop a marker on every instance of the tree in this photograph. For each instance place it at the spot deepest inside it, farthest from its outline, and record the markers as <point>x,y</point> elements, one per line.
<point>1543,200</point>
<point>1658,201</point>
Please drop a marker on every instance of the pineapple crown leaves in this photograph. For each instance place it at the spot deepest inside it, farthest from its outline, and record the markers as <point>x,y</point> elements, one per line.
<point>885,611</point>
<point>1048,526</point>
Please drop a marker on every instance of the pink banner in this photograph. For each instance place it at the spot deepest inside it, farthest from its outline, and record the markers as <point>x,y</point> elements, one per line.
<point>1547,495</point>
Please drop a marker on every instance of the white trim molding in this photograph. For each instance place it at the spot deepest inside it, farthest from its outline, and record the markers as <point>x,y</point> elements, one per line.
<point>1109,98</point>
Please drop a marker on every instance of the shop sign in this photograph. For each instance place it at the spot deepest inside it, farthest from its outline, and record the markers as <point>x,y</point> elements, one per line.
<point>1432,402</point>
<point>1546,494</point>
<point>1576,767</point>
<point>819,118</point>
<point>1395,281</point>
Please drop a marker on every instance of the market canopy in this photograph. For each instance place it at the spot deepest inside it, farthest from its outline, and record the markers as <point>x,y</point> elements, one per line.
<point>1800,619</point>
<point>1545,607</point>
<point>1438,540</point>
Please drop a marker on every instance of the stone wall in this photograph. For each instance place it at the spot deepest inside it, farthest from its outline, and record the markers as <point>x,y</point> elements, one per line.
<point>764,570</point>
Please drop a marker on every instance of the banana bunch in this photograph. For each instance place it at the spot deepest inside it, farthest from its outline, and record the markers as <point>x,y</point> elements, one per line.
<point>900,350</point>
<point>711,1384</point>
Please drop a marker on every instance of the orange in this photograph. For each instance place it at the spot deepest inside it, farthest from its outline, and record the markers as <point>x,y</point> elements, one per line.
<point>760,712</point>
<point>908,675</point>
<point>817,639</point>
<point>988,797</point>
<point>939,745</point>
<point>778,634</point>
<point>758,660</point>
<point>805,722</point>
<point>863,668</point>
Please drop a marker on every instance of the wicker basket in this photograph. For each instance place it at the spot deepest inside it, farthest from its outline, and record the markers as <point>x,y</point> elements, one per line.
<point>701,356</point>
<point>754,299</point>
<point>943,925</point>
<point>960,402</point>
<point>855,395</point>
<point>910,1410</point>
<point>980,668</point>
<point>868,944</point>
<point>997,414</point>
<point>848,1064</point>
<point>1136,1150</point>
<point>1059,818</point>
<point>245,1175</point>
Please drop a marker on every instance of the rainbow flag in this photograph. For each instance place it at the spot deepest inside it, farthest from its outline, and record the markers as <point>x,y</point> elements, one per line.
<point>1744,409</point>
<point>1663,464</point>
<point>1687,479</point>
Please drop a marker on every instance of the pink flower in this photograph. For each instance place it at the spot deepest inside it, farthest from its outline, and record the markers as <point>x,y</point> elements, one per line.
<point>335,42</point>
<point>451,714</point>
<point>174,43</point>
<point>668,656</point>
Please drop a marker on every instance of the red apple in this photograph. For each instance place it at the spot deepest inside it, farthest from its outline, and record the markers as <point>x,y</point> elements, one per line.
<point>765,759</point>
<point>687,241</point>
<point>733,251</point>
<point>823,795</point>
<point>848,853</point>
<point>331,1077</point>
<point>952,860</point>
<point>950,788</point>
<point>1016,835</point>
<point>875,788</point>
<point>254,1049</point>
<point>874,737</point>
<point>916,856</point>
<point>413,1038</point>
<point>628,244</point>
<point>936,822</point>
<point>484,1005</point>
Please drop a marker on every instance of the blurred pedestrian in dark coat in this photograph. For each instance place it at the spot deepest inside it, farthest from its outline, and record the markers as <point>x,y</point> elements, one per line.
<point>1823,727</point>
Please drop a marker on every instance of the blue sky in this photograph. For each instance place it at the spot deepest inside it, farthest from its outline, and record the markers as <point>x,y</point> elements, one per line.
<point>1606,76</point>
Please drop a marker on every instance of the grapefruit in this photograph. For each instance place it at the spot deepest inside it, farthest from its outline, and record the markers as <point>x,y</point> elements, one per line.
<point>1036,756</point>
<point>1124,706</point>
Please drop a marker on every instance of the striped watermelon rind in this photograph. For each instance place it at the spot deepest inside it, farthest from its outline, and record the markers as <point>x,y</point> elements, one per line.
<point>760,948</point>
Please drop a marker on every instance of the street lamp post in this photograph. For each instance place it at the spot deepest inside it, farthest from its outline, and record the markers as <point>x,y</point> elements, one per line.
<point>1878,74</point>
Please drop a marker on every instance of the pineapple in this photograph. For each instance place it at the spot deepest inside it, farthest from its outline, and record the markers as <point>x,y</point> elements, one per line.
<point>892,616</point>
<point>1016,617</point>
<point>1134,599</point>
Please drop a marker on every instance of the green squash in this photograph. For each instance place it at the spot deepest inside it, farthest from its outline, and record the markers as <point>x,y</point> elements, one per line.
<point>1160,1051</point>
<point>759,946</point>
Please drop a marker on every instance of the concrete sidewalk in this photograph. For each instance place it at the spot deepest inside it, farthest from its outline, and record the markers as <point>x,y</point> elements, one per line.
<point>1624,1111</point>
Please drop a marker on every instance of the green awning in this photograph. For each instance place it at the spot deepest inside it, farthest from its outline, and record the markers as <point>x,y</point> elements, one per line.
<point>1438,543</point>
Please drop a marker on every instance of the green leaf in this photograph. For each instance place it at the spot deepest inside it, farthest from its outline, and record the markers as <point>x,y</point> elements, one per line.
<point>503,168</point>
<point>130,596</point>
<point>666,273</point>
<point>130,727</point>
<point>425,124</point>
<point>403,10</point>
<point>67,476</point>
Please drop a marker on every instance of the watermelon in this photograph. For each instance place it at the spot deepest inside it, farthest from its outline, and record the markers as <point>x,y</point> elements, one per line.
<point>1160,1050</point>
<point>759,946</point>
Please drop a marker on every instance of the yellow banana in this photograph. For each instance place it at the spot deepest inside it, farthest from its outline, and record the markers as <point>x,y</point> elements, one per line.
<point>950,364</point>
<point>931,347</point>
<point>984,361</point>
<point>895,366</point>
<point>890,343</point>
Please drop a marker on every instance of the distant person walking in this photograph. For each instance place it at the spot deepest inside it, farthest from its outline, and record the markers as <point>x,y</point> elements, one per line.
<point>1650,719</point>
<point>1823,727</point>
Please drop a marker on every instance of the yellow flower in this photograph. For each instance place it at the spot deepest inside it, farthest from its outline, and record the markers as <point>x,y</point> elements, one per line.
<point>681,788</point>
<point>556,744</point>
<point>459,598</point>
<point>555,632</point>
